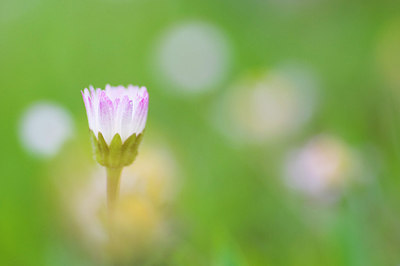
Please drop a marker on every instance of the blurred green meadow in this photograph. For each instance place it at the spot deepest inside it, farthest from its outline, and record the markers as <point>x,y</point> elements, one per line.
<point>273,133</point>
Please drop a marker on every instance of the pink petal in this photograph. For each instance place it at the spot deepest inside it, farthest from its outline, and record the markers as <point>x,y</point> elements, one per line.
<point>106,113</point>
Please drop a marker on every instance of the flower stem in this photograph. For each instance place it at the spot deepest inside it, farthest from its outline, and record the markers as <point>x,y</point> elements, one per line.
<point>113,181</point>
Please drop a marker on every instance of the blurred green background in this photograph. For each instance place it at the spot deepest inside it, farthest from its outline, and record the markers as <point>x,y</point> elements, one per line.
<point>273,126</point>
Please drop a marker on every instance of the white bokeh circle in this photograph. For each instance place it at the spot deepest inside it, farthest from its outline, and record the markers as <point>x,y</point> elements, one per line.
<point>44,127</point>
<point>193,57</point>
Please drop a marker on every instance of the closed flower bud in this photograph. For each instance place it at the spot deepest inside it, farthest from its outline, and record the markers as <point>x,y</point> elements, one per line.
<point>117,118</point>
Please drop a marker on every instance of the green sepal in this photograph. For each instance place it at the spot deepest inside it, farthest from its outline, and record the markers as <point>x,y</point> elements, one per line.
<point>114,158</point>
<point>99,147</point>
<point>117,154</point>
<point>103,149</point>
<point>130,148</point>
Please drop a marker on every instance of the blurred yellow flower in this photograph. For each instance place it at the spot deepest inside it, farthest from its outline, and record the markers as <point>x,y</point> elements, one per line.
<point>141,223</point>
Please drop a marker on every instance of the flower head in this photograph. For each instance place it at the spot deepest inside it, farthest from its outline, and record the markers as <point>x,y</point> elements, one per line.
<point>116,110</point>
<point>117,117</point>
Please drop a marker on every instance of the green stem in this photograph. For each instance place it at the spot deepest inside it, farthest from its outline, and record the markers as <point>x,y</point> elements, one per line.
<point>113,181</point>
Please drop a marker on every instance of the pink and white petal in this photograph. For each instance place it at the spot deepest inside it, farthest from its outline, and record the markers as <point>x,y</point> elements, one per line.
<point>87,107</point>
<point>138,117</point>
<point>132,92</point>
<point>121,102</point>
<point>143,92</point>
<point>114,92</point>
<point>105,117</point>
<point>126,119</point>
<point>116,110</point>
<point>143,118</point>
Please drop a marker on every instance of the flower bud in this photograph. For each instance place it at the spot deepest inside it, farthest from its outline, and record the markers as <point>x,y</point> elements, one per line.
<point>117,118</point>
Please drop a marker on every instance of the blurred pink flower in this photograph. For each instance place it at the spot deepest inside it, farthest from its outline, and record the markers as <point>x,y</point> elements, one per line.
<point>116,110</point>
<point>322,168</point>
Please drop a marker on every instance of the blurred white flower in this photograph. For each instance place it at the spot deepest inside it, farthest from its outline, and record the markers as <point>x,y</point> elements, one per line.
<point>193,57</point>
<point>147,188</point>
<point>267,107</point>
<point>322,168</point>
<point>44,127</point>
